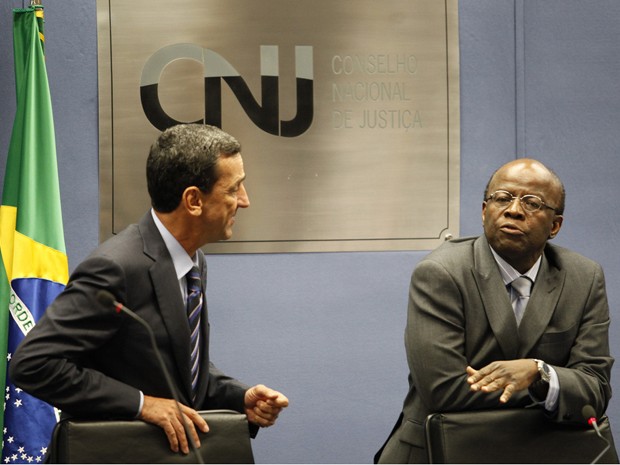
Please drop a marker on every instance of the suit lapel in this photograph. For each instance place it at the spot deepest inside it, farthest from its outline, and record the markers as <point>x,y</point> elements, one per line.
<point>495,299</point>
<point>169,300</point>
<point>541,305</point>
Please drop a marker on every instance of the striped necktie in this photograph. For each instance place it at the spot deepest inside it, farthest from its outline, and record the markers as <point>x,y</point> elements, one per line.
<point>194,308</point>
<point>522,286</point>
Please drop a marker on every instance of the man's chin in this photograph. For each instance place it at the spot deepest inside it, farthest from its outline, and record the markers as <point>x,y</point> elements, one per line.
<point>223,237</point>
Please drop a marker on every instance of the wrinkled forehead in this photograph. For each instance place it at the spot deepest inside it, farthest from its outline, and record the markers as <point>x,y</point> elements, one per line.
<point>526,178</point>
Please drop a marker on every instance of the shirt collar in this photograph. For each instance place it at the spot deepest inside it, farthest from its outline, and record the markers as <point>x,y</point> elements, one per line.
<point>180,259</point>
<point>509,274</point>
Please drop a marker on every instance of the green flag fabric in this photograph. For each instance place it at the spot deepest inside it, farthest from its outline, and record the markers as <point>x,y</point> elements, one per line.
<point>34,261</point>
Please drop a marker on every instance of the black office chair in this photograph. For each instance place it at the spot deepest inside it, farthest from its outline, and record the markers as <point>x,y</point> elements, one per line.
<point>83,441</point>
<point>514,436</point>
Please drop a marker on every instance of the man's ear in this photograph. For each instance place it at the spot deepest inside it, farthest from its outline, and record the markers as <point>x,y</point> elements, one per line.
<point>557,224</point>
<point>192,200</point>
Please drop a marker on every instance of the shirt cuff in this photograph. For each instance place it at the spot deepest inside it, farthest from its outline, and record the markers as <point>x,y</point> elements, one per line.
<point>550,400</point>
<point>141,405</point>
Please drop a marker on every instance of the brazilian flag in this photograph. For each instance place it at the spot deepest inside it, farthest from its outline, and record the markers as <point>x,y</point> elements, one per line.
<point>34,261</point>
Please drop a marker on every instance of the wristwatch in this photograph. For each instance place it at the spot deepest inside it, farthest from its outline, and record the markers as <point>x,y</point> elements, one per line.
<point>543,370</point>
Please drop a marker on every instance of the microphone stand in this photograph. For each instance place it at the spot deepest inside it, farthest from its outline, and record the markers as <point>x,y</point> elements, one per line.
<point>594,424</point>
<point>589,414</point>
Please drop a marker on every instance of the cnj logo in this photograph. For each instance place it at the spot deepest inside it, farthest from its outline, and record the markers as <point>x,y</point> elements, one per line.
<point>265,115</point>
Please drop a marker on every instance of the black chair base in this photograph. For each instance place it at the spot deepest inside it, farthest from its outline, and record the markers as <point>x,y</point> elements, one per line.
<point>83,441</point>
<point>513,436</point>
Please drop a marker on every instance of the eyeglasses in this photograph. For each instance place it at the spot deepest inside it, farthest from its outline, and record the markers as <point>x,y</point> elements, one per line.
<point>529,203</point>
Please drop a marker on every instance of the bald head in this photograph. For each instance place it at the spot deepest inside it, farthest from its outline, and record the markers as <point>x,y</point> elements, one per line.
<point>528,167</point>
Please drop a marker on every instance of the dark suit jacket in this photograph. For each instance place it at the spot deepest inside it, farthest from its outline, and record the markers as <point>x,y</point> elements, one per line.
<point>89,361</point>
<point>460,314</point>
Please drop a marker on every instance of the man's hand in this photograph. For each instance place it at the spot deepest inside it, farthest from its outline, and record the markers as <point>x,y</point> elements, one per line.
<point>509,375</point>
<point>263,405</point>
<point>165,414</point>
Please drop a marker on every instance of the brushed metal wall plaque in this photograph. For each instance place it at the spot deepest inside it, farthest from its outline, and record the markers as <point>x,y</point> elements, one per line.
<point>347,111</point>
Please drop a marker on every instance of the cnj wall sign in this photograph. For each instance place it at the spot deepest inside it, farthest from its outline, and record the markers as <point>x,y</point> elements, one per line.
<point>264,115</point>
<point>347,112</point>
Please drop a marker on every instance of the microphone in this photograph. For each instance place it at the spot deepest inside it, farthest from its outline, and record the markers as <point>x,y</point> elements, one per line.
<point>590,416</point>
<point>107,299</point>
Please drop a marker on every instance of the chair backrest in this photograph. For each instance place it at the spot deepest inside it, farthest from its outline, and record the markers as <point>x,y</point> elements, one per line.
<point>134,441</point>
<point>513,436</point>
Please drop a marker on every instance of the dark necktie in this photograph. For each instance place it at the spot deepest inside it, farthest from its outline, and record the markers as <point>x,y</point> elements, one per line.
<point>194,308</point>
<point>522,286</point>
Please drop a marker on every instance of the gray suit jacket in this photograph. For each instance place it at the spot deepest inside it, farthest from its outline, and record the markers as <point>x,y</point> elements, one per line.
<point>89,361</point>
<point>460,314</point>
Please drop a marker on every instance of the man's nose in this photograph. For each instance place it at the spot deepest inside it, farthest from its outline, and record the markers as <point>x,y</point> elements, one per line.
<point>243,199</point>
<point>515,207</point>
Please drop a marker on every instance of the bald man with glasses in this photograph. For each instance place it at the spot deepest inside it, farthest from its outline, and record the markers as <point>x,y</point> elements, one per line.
<point>505,319</point>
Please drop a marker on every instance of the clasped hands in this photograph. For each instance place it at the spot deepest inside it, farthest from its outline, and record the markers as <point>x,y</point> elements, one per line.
<point>262,407</point>
<point>507,375</point>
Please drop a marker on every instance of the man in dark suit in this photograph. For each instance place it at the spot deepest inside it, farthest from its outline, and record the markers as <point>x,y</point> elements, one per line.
<point>471,345</point>
<point>90,362</point>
